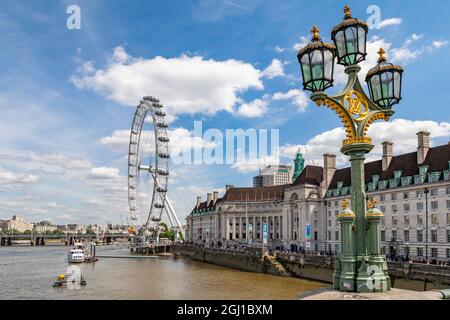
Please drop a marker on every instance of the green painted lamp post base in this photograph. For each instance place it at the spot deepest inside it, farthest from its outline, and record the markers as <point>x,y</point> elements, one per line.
<point>361,267</point>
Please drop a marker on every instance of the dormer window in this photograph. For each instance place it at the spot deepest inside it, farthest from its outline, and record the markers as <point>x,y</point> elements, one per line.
<point>375,178</point>
<point>340,184</point>
<point>393,183</point>
<point>397,174</point>
<point>434,176</point>
<point>382,184</point>
<point>423,169</point>
<point>419,178</point>
<point>406,181</point>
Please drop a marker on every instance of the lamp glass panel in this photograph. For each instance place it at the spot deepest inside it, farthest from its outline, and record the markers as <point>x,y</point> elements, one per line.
<point>340,43</point>
<point>328,55</point>
<point>317,66</point>
<point>351,35</point>
<point>376,87</point>
<point>397,84</point>
<point>387,83</point>
<point>362,40</point>
<point>306,68</point>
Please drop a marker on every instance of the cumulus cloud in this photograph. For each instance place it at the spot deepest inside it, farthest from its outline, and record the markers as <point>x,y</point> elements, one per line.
<point>254,164</point>
<point>185,84</point>
<point>254,109</point>
<point>390,22</point>
<point>275,69</point>
<point>298,98</point>
<point>303,42</point>
<point>12,180</point>
<point>104,173</point>
<point>399,131</point>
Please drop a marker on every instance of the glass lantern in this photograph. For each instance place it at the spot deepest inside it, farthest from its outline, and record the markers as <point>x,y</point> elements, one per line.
<point>385,82</point>
<point>350,38</point>
<point>317,63</point>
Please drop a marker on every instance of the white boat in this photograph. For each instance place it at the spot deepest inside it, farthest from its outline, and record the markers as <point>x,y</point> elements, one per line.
<point>76,254</point>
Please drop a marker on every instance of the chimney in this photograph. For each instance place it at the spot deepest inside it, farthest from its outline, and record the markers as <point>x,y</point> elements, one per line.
<point>423,138</point>
<point>329,167</point>
<point>199,199</point>
<point>209,198</point>
<point>387,154</point>
<point>215,196</point>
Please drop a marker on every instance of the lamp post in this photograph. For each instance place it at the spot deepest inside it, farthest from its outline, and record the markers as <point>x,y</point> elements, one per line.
<point>426,191</point>
<point>361,267</point>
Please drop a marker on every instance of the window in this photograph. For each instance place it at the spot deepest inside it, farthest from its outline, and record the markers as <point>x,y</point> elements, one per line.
<point>329,213</point>
<point>329,204</point>
<point>420,252</point>
<point>419,193</point>
<point>336,235</point>
<point>329,235</point>
<point>383,209</point>
<point>382,197</point>
<point>434,252</point>
<point>406,235</point>
<point>448,204</point>
<point>448,190</point>
<point>383,235</point>
<point>448,253</point>
<point>394,196</point>
<point>419,235</point>
<point>448,218</point>
<point>394,221</point>
<point>394,208</point>
<point>394,235</point>
<point>405,195</point>
<point>406,220</point>
<point>433,192</point>
<point>419,219</point>
<point>315,236</point>
<point>448,236</point>
<point>434,205</point>
<point>329,223</point>
<point>433,235</point>
<point>406,207</point>
<point>419,206</point>
<point>434,219</point>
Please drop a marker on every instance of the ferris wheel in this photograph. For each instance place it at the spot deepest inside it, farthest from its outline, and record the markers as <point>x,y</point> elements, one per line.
<point>148,171</point>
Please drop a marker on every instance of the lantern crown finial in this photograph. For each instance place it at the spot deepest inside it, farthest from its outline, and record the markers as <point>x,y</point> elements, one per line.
<point>347,12</point>
<point>315,33</point>
<point>381,55</point>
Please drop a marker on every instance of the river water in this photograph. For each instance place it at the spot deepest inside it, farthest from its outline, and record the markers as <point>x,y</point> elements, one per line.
<point>29,272</point>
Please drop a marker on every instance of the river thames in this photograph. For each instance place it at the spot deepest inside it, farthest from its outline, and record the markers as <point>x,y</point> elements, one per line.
<point>29,272</point>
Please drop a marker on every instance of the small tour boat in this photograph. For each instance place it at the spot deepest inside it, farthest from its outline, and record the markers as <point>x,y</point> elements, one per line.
<point>77,254</point>
<point>62,281</point>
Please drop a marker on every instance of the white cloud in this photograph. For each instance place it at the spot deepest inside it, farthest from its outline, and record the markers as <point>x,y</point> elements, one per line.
<point>275,69</point>
<point>185,85</point>
<point>252,164</point>
<point>298,97</point>
<point>104,173</point>
<point>390,22</point>
<point>11,180</point>
<point>401,132</point>
<point>303,42</point>
<point>437,44</point>
<point>253,109</point>
<point>279,49</point>
<point>181,139</point>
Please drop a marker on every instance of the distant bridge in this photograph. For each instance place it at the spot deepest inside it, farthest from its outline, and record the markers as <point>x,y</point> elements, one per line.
<point>70,239</point>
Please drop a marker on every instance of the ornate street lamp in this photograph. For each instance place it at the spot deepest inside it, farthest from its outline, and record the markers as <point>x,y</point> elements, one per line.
<point>385,82</point>
<point>361,267</point>
<point>317,61</point>
<point>350,38</point>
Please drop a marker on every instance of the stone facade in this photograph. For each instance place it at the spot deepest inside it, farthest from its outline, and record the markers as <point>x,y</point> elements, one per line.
<point>406,186</point>
<point>16,223</point>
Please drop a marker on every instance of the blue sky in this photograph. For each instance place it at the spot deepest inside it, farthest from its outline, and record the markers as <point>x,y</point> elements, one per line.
<point>67,97</point>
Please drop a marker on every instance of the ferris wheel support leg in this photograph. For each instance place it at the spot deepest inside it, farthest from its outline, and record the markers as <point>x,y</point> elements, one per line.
<point>169,205</point>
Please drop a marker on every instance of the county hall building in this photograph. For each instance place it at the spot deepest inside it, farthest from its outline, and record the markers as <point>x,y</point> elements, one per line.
<point>412,189</point>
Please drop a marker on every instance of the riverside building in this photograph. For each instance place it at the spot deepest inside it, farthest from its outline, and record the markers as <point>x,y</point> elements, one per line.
<point>412,189</point>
